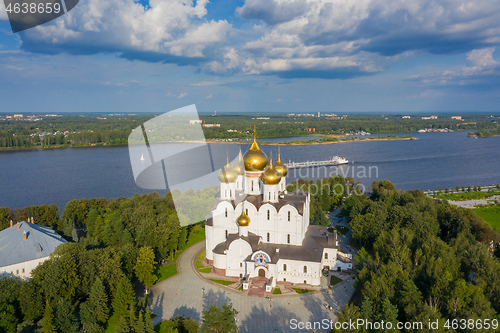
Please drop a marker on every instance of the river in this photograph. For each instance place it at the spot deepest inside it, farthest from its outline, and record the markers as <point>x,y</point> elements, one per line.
<point>436,160</point>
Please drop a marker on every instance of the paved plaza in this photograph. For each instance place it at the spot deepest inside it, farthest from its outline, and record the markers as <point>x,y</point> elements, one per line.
<point>182,295</point>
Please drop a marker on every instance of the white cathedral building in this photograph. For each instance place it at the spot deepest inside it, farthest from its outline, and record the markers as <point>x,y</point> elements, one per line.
<point>257,229</point>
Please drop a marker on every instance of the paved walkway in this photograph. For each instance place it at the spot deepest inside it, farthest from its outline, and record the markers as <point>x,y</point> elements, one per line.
<point>182,295</point>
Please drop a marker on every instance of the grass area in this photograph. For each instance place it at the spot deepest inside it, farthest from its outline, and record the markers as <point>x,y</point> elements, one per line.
<point>277,291</point>
<point>491,215</point>
<point>203,269</point>
<point>302,291</point>
<point>112,323</point>
<point>196,235</point>
<point>223,282</point>
<point>240,288</point>
<point>165,271</point>
<point>466,195</point>
<point>342,230</point>
<point>201,256</point>
<point>334,280</point>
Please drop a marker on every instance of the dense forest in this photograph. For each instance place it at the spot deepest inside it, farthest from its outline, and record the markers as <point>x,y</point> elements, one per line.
<point>99,129</point>
<point>88,281</point>
<point>421,259</point>
<point>326,194</point>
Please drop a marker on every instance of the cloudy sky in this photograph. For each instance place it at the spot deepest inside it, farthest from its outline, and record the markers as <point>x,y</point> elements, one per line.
<point>256,55</point>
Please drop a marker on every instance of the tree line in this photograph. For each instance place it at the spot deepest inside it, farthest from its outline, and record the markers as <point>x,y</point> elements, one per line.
<point>421,260</point>
<point>113,245</point>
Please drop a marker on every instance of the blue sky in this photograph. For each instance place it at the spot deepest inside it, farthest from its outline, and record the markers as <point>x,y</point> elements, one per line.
<point>256,55</point>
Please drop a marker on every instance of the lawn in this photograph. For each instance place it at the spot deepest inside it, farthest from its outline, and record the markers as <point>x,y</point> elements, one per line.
<point>491,215</point>
<point>112,323</point>
<point>223,282</point>
<point>466,195</point>
<point>301,291</point>
<point>342,230</point>
<point>201,256</point>
<point>196,235</point>
<point>334,280</point>
<point>165,271</point>
<point>277,291</point>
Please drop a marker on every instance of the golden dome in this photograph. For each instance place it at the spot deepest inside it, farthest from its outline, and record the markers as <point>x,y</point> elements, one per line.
<point>270,176</point>
<point>280,167</point>
<point>239,166</point>
<point>255,159</point>
<point>243,220</point>
<point>227,173</point>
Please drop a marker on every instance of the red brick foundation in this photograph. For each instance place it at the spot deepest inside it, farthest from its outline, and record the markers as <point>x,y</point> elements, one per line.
<point>219,271</point>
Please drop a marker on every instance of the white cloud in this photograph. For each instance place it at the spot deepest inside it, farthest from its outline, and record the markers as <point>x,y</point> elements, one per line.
<point>278,100</point>
<point>209,96</point>
<point>480,68</point>
<point>182,95</point>
<point>205,83</point>
<point>167,27</point>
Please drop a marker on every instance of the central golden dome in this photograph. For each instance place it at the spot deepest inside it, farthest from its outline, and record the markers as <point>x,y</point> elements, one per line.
<point>270,176</point>
<point>255,159</point>
<point>227,173</point>
<point>280,167</point>
<point>239,166</point>
<point>243,220</point>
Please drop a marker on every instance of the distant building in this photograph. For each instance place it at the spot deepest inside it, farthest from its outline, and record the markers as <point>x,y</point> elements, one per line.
<point>24,246</point>
<point>211,125</point>
<point>311,129</point>
<point>195,121</point>
<point>406,117</point>
<point>456,117</point>
<point>18,116</point>
<point>431,117</point>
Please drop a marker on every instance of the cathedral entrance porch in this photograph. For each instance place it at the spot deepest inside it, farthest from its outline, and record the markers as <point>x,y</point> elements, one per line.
<point>257,286</point>
<point>262,273</point>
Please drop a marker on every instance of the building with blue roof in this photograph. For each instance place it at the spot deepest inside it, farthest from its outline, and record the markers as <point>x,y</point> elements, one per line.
<point>24,246</point>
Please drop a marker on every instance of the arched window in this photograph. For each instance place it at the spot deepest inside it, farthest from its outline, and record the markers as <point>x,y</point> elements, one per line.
<point>284,268</point>
<point>284,280</point>
<point>288,215</point>
<point>305,269</point>
<point>288,238</point>
<point>252,185</point>
<point>246,211</point>
<point>326,255</point>
<point>226,233</point>
<point>230,193</point>
<point>268,214</point>
<point>226,212</point>
<point>268,237</point>
<point>305,282</point>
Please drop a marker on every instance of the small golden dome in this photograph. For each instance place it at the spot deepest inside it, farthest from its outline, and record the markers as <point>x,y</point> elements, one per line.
<point>239,166</point>
<point>255,159</point>
<point>270,176</point>
<point>227,173</point>
<point>243,220</point>
<point>280,167</point>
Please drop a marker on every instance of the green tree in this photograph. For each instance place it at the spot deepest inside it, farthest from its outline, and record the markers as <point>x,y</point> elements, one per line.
<point>64,319</point>
<point>219,319</point>
<point>48,320</point>
<point>148,324</point>
<point>145,266</point>
<point>122,326</point>
<point>124,298</point>
<point>8,319</point>
<point>98,300</point>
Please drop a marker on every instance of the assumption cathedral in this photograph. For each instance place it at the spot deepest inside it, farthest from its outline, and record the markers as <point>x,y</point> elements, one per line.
<point>257,229</point>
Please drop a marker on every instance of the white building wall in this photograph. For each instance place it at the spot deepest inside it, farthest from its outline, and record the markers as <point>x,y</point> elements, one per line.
<point>22,269</point>
<point>238,251</point>
<point>294,272</point>
<point>220,261</point>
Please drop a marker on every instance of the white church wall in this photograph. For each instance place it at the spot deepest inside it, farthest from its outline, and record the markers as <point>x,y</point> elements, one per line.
<point>329,258</point>
<point>290,226</point>
<point>238,251</point>
<point>220,261</point>
<point>294,272</point>
<point>209,242</point>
